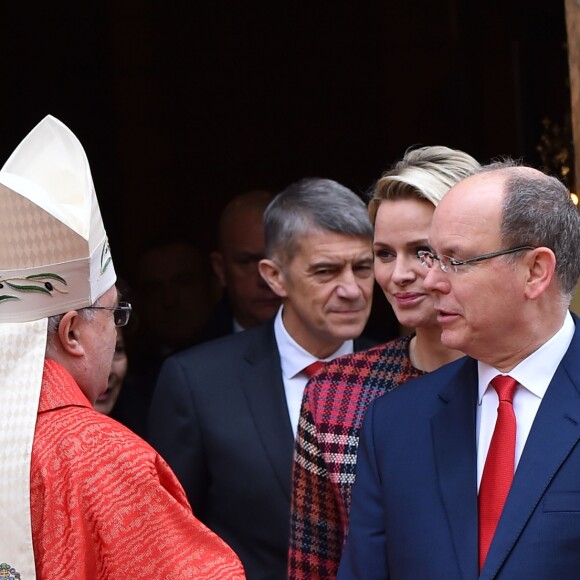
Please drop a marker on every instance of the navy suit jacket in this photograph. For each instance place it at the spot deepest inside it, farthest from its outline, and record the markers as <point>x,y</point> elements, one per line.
<point>414,507</point>
<point>220,419</point>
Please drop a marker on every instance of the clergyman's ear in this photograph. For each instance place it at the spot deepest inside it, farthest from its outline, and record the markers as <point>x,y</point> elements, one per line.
<point>69,334</point>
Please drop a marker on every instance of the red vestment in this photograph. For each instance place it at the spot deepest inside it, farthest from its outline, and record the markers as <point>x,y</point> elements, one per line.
<point>105,505</point>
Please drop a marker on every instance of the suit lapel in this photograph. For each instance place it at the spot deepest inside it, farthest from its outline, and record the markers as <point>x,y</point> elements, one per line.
<point>453,429</point>
<point>264,391</point>
<point>554,433</point>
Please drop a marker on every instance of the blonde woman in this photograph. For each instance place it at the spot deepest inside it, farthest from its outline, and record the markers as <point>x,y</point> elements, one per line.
<point>336,398</point>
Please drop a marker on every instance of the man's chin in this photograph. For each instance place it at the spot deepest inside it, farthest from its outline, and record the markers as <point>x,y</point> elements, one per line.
<point>349,330</point>
<point>452,339</point>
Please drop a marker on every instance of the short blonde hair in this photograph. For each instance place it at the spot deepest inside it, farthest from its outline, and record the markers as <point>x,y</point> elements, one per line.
<point>425,173</point>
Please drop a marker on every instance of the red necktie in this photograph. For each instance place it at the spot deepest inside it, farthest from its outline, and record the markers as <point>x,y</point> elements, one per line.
<point>313,368</point>
<point>498,471</point>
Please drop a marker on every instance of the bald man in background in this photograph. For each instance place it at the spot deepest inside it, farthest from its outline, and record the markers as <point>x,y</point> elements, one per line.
<point>247,300</point>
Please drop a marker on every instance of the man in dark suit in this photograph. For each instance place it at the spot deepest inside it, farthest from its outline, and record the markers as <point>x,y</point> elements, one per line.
<point>436,495</point>
<point>247,299</point>
<point>225,413</point>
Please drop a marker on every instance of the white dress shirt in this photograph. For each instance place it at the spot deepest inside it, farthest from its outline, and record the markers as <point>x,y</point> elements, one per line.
<point>293,359</point>
<point>533,375</point>
<point>237,327</point>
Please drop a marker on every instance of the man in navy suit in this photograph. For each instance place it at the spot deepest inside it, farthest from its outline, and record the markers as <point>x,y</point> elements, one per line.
<point>225,413</point>
<point>504,263</point>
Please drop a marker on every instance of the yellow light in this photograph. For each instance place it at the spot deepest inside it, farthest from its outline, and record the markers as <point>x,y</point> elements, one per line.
<point>574,198</point>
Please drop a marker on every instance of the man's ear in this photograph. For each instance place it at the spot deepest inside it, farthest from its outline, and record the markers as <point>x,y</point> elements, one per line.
<point>217,263</point>
<point>541,264</point>
<point>69,334</point>
<point>274,276</point>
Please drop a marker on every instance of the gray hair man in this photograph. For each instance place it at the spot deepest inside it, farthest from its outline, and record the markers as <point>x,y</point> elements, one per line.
<point>225,413</point>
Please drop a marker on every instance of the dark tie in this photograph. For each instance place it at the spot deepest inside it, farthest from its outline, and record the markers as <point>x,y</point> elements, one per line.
<point>498,471</point>
<point>313,368</point>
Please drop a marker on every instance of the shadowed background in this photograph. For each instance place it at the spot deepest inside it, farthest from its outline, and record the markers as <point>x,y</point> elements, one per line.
<point>182,105</point>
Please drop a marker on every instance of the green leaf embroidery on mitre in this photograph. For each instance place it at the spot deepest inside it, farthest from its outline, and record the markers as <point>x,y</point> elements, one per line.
<point>27,288</point>
<point>106,258</point>
<point>34,283</point>
<point>5,297</point>
<point>47,275</point>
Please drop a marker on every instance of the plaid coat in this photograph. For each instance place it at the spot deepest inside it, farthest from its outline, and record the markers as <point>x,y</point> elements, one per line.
<point>331,418</point>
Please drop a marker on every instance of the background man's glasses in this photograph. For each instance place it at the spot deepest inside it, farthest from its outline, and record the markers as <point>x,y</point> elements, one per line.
<point>121,312</point>
<point>428,259</point>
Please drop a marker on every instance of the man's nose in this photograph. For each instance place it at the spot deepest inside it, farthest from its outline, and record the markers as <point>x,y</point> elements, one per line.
<point>349,286</point>
<point>436,280</point>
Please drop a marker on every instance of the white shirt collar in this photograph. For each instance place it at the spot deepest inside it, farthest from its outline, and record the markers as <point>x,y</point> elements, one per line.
<point>536,371</point>
<point>237,327</point>
<point>293,357</point>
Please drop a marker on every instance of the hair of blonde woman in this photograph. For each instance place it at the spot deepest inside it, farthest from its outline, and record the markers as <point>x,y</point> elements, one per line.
<point>426,173</point>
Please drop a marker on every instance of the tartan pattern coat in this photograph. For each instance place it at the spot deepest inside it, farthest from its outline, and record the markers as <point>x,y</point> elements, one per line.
<point>333,407</point>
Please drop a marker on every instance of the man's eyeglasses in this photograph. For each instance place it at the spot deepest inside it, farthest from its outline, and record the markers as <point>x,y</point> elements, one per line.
<point>428,259</point>
<point>121,312</point>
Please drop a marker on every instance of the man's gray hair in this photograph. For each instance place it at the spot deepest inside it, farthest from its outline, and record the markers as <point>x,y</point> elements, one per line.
<point>538,211</point>
<point>312,204</point>
<point>54,321</point>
